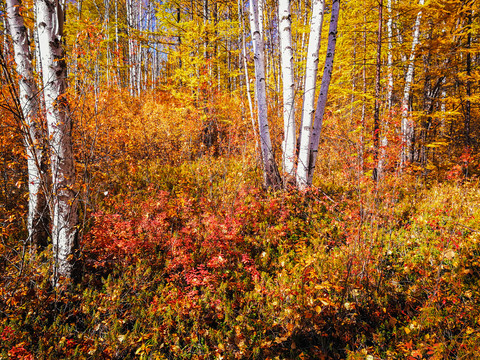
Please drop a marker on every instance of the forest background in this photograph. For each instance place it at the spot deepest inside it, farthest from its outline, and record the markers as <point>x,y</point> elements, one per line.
<point>174,180</point>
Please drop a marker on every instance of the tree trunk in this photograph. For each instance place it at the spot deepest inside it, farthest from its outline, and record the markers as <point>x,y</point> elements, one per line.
<point>376,113</point>
<point>289,142</point>
<point>466,130</point>
<point>271,176</point>
<point>384,139</point>
<point>245,67</point>
<point>389,56</point>
<point>309,92</point>
<point>322,97</point>
<point>132,47</point>
<point>361,136</point>
<point>407,129</point>
<point>49,21</point>
<point>37,221</point>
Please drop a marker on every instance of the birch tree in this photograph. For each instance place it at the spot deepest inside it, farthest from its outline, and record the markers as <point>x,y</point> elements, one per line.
<point>37,219</point>
<point>407,130</point>
<point>49,21</point>
<point>271,176</point>
<point>322,97</point>
<point>289,143</point>
<point>309,91</point>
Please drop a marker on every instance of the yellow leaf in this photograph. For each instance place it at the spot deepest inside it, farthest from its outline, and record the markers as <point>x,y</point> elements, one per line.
<point>407,330</point>
<point>290,327</point>
<point>449,254</point>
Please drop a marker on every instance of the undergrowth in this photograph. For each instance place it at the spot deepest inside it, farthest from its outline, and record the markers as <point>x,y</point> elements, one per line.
<point>185,256</point>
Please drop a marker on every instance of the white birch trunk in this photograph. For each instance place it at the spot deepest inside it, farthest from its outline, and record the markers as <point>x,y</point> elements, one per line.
<point>322,97</point>
<point>309,92</point>
<point>139,51</point>
<point>38,60</point>
<point>106,25</point>
<point>33,139</point>
<point>132,48</point>
<point>49,20</point>
<point>5,38</point>
<point>389,56</point>
<point>289,141</point>
<point>269,167</point>
<point>117,48</point>
<point>407,125</point>
<point>261,8</point>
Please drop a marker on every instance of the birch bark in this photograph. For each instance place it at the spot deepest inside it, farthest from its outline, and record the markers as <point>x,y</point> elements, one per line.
<point>322,97</point>
<point>37,219</point>
<point>132,46</point>
<point>407,125</point>
<point>271,176</point>
<point>389,56</point>
<point>289,142</point>
<point>309,92</point>
<point>49,21</point>
<point>384,139</point>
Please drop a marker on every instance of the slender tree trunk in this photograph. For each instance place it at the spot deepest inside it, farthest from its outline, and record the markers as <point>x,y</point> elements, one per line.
<point>289,141</point>
<point>37,220</point>
<point>384,139</point>
<point>107,38</point>
<point>139,24</point>
<point>443,109</point>
<point>132,47</point>
<point>407,129</point>
<point>322,97</point>
<point>117,47</point>
<point>389,56</point>
<point>309,93</point>
<point>5,47</point>
<point>261,8</point>
<point>271,176</point>
<point>245,66</point>
<point>205,22</point>
<point>467,122</point>
<point>361,137</point>
<point>49,19</point>
<point>376,113</point>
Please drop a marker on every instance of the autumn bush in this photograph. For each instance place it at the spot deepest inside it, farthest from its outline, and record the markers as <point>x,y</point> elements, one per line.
<point>185,255</point>
<point>285,275</point>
